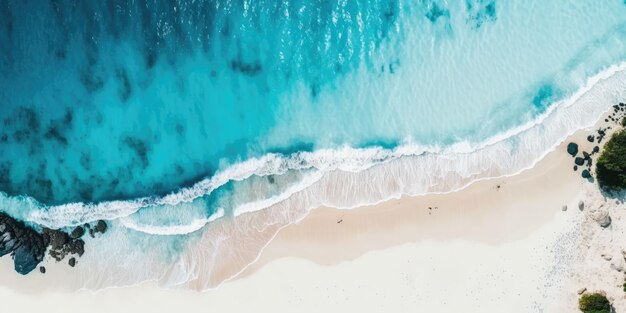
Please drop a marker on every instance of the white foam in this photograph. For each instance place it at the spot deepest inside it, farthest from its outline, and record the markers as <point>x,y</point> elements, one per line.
<point>304,183</point>
<point>190,227</point>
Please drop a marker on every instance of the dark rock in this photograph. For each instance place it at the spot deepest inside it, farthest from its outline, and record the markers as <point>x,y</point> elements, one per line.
<point>589,162</point>
<point>591,138</point>
<point>586,155</point>
<point>76,247</point>
<point>77,232</point>
<point>575,167</point>
<point>586,174</point>
<point>101,227</point>
<point>596,149</point>
<point>57,237</point>
<point>579,161</point>
<point>572,149</point>
<point>26,246</point>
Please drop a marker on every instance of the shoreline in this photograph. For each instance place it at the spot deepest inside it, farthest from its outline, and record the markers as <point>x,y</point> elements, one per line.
<point>226,250</point>
<point>517,208</point>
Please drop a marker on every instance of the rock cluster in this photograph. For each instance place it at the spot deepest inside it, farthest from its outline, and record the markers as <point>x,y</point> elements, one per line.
<point>101,227</point>
<point>28,247</point>
<point>619,112</point>
<point>61,244</point>
<point>25,245</point>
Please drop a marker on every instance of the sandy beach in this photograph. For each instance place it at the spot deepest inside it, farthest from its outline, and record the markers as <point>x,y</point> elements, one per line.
<point>509,240</point>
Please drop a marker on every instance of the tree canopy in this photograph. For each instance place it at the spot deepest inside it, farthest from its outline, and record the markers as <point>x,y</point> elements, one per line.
<point>594,303</point>
<point>611,165</point>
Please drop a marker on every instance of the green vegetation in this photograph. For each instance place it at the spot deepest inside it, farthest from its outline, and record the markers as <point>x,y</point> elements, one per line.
<point>611,165</point>
<point>623,123</point>
<point>594,303</point>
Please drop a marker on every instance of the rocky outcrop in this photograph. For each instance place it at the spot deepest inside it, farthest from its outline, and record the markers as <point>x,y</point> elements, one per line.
<point>28,247</point>
<point>62,244</point>
<point>25,245</point>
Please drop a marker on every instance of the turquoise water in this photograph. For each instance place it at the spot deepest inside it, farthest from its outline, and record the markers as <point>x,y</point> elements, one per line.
<point>167,117</point>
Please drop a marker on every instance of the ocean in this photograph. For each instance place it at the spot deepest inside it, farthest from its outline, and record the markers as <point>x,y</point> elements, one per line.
<point>198,129</point>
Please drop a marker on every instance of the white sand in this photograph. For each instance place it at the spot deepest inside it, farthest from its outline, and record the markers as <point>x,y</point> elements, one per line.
<point>483,249</point>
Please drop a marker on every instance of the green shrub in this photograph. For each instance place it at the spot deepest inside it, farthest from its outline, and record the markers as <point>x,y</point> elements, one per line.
<point>623,121</point>
<point>611,165</point>
<point>594,303</point>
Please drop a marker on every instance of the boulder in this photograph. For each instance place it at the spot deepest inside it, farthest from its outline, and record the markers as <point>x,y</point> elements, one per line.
<point>77,232</point>
<point>564,208</point>
<point>586,174</point>
<point>581,205</point>
<point>42,270</point>
<point>572,149</point>
<point>579,161</point>
<point>591,138</point>
<point>72,262</point>
<point>101,227</point>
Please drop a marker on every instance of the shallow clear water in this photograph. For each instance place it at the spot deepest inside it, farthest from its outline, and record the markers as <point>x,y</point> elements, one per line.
<point>166,117</point>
